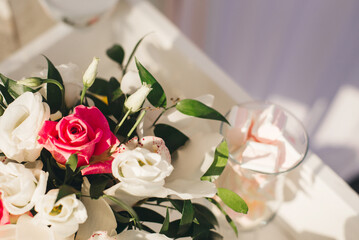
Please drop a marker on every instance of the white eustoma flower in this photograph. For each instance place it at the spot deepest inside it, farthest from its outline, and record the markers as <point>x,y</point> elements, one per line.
<point>26,228</point>
<point>135,101</point>
<point>20,125</point>
<point>129,235</point>
<point>141,167</point>
<point>64,216</point>
<point>21,187</point>
<point>90,75</point>
<point>130,82</point>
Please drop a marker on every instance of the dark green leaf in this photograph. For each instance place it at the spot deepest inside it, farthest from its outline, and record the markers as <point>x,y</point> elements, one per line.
<point>157,96</point>
<point>228,218</point>
<point>172,137</point>
<point>98,184</point>
<point>66,190</point>
<point>195,108</point>
<point>204,215</point>
<point>116,53</point>
<point>114,90</point>
<point>122,219</point>
<point>232,200</point>
<point>219,162</point>
<point>54,97</point>
<point>147,229</point>
<point>13,88</point>
<point>72,162</point>
<point>178,204</point>
<point>166,224</point>
<point>132,54</point>
<point>99,104</point>
<point>148,215</point>
<point>99,87</point>
<point>6,94</point>
<point>187,217</point>
<point>208,235</point>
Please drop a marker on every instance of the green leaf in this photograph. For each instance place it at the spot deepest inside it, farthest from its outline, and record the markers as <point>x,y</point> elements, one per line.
<point>114,90</point>
<point>54,97</point>
<point>228,218</point>
<point>98,184</point>
<point>13,88</point>
<point>116,53</point>
<point>157,96</point>
<point>148,215</point>
<point>232,200</point>
<point>204,215</point>
<point>132,54</point>
<point>208,235</point>
<point>66,190</point>
<point>172,137</point>
<point>99,87</point>
<point>219,162</point>
<point>125,207</point>
<point>72,162</point>
<point>120,218</point>
<point>166,224</point>
<point>187,217</point>
<point>99,104</point>
<point>8,98</point>
<point>195,108</point>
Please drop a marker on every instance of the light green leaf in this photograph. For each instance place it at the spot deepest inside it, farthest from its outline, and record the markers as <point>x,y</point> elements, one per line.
<point>172,136</point>
<point>13,88</point>
<point>219,162</point>
<point>166,224</point>
<point>157,96</point>
<point>232,200</point>
<point>195,108</point>
<point>72,162</point>
<point>132,54</point>
<point>187,217</point>
<point>116,53</point>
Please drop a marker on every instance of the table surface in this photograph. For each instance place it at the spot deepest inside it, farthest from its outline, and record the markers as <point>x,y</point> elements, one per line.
<point>318,204</point>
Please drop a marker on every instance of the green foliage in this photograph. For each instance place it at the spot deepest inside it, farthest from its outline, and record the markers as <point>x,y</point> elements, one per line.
<point>116,53</point>
<point>219,162</point>
<point>66,190</point>
<point>173,137</point>
<point>157,96</point>
<point>98,184</point>
<point>232,200</point>
<point>54,97</point>
<point>195,108</point>
<point>99,87</point>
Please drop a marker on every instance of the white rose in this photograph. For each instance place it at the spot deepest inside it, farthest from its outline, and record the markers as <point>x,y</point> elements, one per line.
<point>20,125</point>
<point>21,187</point>
<point>64,216</point>
<point>129,234</point>
<point>142,167</point>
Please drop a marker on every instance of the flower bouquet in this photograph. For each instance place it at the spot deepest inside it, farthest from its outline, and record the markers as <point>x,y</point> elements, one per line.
<point>108,159</point>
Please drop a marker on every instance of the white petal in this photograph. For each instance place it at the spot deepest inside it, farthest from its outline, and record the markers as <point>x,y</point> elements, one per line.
<point>130,82</point>
<point>8,232</point>
<point>100,216</point>
<point>29,229</point>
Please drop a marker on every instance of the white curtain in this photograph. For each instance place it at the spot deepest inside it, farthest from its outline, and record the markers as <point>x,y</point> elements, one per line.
<point>302,54</point>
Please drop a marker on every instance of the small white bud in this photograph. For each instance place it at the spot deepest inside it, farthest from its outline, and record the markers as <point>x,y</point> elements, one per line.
<point>91,73</point>
<point>31,82</point>
<point>135,101</point>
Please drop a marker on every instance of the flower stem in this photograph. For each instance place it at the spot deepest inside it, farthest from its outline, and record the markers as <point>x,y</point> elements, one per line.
<point>83,94</point>
<point>139,119</point>
<point>122,121</point>
<point>159,116</point>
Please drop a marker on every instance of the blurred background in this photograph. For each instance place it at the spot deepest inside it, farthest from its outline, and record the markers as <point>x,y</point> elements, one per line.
<point>301,54</point>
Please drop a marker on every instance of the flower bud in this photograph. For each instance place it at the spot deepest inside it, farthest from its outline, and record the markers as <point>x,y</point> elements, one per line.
<point>135,101</point>
<point>91,73</point>
<point>31,82</point>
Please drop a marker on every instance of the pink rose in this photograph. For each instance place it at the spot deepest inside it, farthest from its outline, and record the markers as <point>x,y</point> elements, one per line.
<point>4,214</point>
<point>85,132</point>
